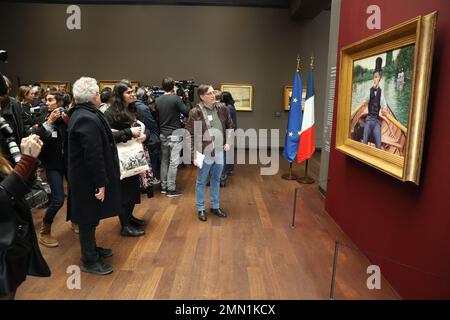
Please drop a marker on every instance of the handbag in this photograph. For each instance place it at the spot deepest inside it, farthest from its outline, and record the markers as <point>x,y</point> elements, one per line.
<point>132,159</point>
<point>38,195</point>
<point>154,142</point>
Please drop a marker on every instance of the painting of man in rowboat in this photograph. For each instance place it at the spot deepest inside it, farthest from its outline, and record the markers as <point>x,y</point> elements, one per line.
<point>381,99</point>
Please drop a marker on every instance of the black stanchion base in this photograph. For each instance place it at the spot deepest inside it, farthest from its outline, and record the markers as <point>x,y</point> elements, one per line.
<point>289,176</point>
<point>306,180</point>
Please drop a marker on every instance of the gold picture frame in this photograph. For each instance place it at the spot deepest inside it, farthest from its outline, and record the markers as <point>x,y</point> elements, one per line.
<point>54,84</point>
<point>242,95</point>
<point>112,83</point>
<point>287,95</point>
<point>400,154</point>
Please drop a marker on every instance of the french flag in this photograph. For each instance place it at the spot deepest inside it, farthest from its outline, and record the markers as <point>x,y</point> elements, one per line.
<point>306,147</point>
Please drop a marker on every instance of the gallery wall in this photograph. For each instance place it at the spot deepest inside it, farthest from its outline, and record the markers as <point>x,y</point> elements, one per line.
<point>400,221</point>
<point>210,44</point>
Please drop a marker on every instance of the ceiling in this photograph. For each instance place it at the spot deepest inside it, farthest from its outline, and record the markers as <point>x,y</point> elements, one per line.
<point>300,9</point>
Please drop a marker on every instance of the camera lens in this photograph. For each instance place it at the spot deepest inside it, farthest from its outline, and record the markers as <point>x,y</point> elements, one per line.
<point>6,129</point>
<point>14,149</point>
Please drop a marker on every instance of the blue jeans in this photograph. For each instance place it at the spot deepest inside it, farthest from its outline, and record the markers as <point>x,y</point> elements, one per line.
<point>214,167</point>
<point>56,181</point>
<point>372,128</point>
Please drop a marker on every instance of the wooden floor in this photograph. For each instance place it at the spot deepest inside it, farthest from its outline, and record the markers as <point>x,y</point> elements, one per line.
<point>253,254</point>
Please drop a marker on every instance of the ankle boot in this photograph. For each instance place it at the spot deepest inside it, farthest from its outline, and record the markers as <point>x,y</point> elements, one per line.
<point>129,231</point>
<point>149,192</point>
<point>45,237</point>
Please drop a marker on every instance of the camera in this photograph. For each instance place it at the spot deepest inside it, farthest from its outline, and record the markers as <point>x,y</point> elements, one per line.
<point>8,135</point>
<point>36,109</point>
<point>186,87</point>
<point>156,92</point>
<point>64,109</point>
<point>3,56</point>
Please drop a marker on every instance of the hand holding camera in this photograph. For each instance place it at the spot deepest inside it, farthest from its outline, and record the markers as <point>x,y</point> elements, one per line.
<point>31,146</point>
<point>54,115</point>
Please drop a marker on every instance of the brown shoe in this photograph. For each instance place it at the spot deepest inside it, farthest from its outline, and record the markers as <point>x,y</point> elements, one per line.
<point>75,227</point>
<point>45,237</point>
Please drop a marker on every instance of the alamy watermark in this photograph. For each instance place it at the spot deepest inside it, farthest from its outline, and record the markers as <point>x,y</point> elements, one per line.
<point>74,280</point>
<point>374,280</point>
<point>251,146</point>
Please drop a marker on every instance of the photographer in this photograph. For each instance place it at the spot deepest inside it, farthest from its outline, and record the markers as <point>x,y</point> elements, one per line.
<point>18,244</point>
<point>25,97</point>
<point>11,112</point>
<point>169,107</point>
<point>52,158</point>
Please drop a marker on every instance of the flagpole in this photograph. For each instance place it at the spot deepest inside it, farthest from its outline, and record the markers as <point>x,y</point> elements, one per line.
<point>290,175</point>
<point>306,179</point>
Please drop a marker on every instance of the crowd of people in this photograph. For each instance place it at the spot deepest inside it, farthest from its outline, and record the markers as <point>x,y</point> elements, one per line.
<point>74,137</point>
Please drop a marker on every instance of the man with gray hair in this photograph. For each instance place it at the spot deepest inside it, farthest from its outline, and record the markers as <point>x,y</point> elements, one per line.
<point>93,172</point>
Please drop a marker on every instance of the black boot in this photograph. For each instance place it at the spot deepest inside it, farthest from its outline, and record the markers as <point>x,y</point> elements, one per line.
<point>149,192</point>
<point>97,267</point>
<point>104,252</point>
<point>129,231</point>
<point>136,222</point>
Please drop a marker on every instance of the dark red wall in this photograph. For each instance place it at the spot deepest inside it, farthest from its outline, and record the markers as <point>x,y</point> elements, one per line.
<point>399,220</point>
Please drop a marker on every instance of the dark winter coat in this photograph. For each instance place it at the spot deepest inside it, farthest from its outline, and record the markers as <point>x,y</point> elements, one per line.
<point>92,164</point>
<point>19,250</point>
<point>131,193</point>
<point>52,155</point>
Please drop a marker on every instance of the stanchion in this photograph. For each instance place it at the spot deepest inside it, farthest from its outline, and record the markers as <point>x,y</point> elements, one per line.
<point>295,207</point>
<point>333,275</point>
<point>290,175</point>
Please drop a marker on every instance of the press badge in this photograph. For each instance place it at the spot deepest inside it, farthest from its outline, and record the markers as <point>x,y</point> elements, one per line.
<point>210,117</point>
<point>55,134</point>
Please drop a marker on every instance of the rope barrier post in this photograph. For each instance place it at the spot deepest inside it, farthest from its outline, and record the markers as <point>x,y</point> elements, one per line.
<point>295,207</point>
<point>333,275</point>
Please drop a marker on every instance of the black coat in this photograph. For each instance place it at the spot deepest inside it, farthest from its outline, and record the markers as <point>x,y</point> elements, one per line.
<point>131,193</point>
<point>19,250</point>
<point>52,155</point>
<point>92,163</point>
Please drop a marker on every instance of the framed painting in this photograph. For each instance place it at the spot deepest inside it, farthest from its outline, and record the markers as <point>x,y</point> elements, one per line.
<point>63,86</point>
<point>112,83</point>
<point>242,95</point>
<point>383,97</point>
<point>287,96</point>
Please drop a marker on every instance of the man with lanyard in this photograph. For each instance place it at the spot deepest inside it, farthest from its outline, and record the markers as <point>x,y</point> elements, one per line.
<point>209,122</point>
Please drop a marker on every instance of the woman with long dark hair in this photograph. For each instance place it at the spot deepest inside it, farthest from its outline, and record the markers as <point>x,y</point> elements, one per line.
<point>122,116</point>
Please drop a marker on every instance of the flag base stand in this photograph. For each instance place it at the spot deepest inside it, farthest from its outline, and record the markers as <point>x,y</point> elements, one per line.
<point>290,176</point>
<point>306,180</point>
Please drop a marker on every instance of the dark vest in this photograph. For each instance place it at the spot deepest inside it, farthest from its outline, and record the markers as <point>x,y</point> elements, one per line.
<point>375,102</point>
